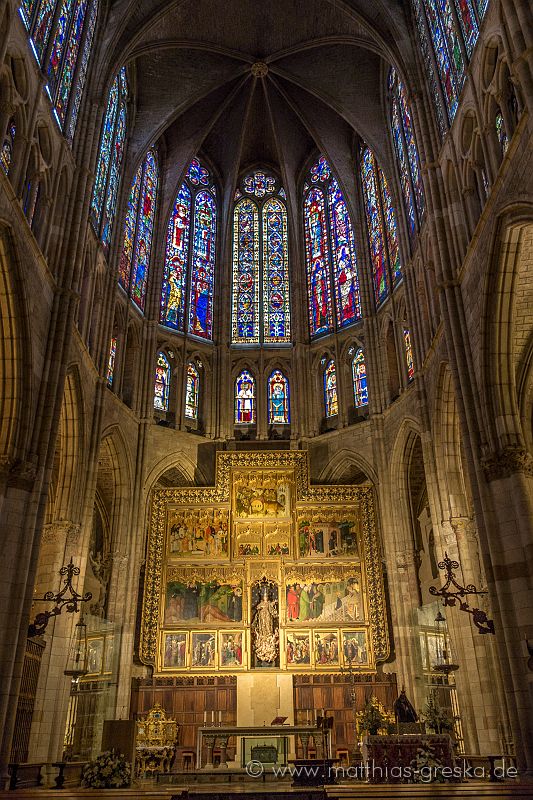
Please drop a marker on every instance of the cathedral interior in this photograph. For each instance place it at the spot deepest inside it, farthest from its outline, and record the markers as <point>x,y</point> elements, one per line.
<point>266,372</point>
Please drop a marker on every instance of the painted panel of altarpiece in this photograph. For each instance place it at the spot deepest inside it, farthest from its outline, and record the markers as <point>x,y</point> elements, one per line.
<point>263,572</point>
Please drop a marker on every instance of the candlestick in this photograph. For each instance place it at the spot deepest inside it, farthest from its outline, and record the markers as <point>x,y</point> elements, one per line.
<point>205,717</point>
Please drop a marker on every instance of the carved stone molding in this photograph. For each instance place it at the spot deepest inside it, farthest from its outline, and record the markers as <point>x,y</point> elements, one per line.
<point>507,462</point>
<point>61,533</point>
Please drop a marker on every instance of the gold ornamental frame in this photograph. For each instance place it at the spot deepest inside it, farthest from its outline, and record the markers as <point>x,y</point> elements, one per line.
<point>305,498</point>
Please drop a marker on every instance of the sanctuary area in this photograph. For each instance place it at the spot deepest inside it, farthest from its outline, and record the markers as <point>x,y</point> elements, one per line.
<point>266,398</point>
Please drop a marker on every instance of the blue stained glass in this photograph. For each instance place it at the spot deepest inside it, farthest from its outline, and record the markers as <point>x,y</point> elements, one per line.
<point>331,400</point>
<point>114,177</point>
<point>177,253</point>
<point>442,118</point>
<point>106,143</point>
<point>145,226</point>
<point>482,6</point>
<point>321,170</point>
<point>162,382</point>
<point>346,282</point>
<point>103,202</point>
<point>192,392</point>
<point>318,263</point>
<point>440,47</point>
<point>468,23</point>
<point>360,389</point>
<point>56,54</point>
<point>391,229</point>
<point>71,58</point>
<point>276,306</point>
<point>6,154</point>
<point>245,399</point>
<point>374,224</point>
<point>203,266</point>
<point>245,273</point>
<point>27,9</point>
<point>42,27</point>
<point>412,150</point>
<point>452,37</point>
<point>403,167</point>
<point>82,72</point>
<point>278,399</point>
<point>198,174</point>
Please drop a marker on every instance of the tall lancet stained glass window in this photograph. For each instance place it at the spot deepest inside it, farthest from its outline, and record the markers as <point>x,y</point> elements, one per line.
<point>332,280</point>
<point>190,257</point>
<point>260,281</point>
<point>61,34</point>
<point>406,153</point>
<point>278,399</point>
<point>382,230</point>
<point>108,166</point>
<point>409,354</point>
<point>192,391</point>
<point>360,389</point>
<point>162,382</point>
<point>331,398</point>
<point>448,31</point>
<point>245,411</point>
<point>138,230</point>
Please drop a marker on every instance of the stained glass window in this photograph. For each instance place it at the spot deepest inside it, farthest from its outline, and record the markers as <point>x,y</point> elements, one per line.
<point>360,389</point>
<point>501,133</point>
<point>409,354</point>
<point>6,155</point>
<point>138,229</point>
<point>345,280</point>
<point>111,362</point>
<point>259,184</point>
<point>203,266</point>
<point>260,289</point>
<point>331,401</point>
<point>275,277</point>
<point>162,382</point>
<point>330,253</point>
<point>445,27</point>
<point>278,399</point>
<point>64,29</point>
<point>406,153</point>
<point>188,278</point>
<point>192,391</point>
<point>245,399</point>
<point>104,197</point>
<point>381,226</point>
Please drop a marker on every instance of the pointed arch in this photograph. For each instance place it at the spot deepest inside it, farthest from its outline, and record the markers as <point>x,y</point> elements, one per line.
<point>245,397</point>
<point>278,397</point>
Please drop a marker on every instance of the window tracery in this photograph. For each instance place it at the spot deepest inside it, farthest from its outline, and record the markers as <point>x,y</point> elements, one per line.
<point>330,253</point>
<point>260,288</point>
<point>138,229</point>
<point>382,230</point>
<point>111,151</point>
<point>61,35</point>
<point>188,278</point>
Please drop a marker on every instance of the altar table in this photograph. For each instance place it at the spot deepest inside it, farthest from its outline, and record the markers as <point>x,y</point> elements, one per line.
<point>218,736</point>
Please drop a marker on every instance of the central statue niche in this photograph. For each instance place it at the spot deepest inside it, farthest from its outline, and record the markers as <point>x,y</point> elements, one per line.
<point>263,572</point>
<point>265,625</point>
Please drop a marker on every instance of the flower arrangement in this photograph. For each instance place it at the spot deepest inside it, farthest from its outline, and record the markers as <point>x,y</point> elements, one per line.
<point>373,718</point>
<point>436,718</point>
<point>109,770</point>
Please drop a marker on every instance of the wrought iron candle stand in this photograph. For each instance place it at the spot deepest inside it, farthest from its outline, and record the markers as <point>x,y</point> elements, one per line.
<point>66,598</point>
<point>450,598</point>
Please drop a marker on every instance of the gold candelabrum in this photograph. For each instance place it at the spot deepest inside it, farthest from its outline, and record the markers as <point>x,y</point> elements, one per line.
<point>156,741</point>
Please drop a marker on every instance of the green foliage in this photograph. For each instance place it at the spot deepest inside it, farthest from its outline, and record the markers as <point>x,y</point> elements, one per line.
<point>109,770</point>
<point>435,717</point>
<point>427,768</point>
<point>373,718</point>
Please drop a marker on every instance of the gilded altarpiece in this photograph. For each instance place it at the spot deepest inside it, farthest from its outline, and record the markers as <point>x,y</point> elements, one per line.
<point>263,572</point>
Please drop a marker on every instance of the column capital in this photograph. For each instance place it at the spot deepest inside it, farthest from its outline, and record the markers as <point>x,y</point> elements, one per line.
<point>507,462</point>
